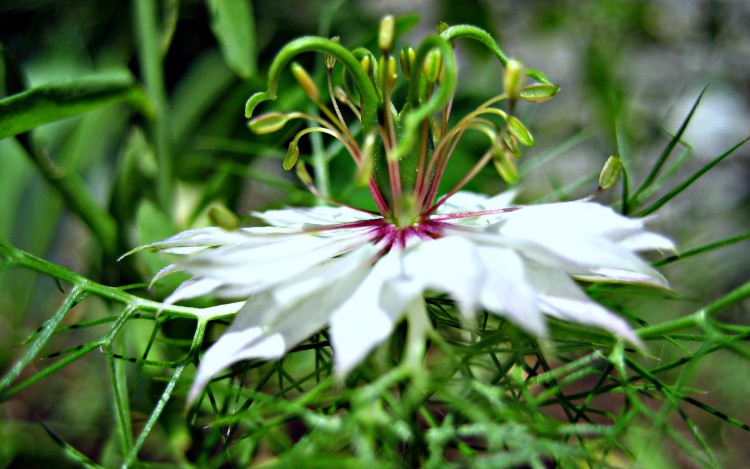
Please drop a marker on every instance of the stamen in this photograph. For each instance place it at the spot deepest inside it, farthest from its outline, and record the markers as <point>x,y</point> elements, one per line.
<point>331,93</point>
<point>478,213</point>
<point>469,176</point>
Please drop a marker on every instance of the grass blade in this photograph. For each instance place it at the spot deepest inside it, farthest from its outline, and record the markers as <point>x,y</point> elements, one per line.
<point>667,150</point>
<point>685,184</point>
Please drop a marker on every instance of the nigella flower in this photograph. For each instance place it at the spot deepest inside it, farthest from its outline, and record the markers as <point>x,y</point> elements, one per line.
<point>362,272</point>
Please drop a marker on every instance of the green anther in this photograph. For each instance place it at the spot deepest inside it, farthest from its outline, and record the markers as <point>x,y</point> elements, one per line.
<point>364,170</point>
<point>520,131</point>
<point>305,81</point>
<point>267,123</point>
<point>513,79</point>
<point>292,154</point>
<point>386,34</point>
<point>407,60</point>
<point>539,92</point>
<point>610,172</point>
<point>330,60</point>
<point>432,65</point>
<point>303,174</point>
<point>504,161</point>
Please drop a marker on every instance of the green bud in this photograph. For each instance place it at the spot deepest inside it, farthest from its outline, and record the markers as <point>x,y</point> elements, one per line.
<point>292,154</point>
<point>267,123</point>
<point>329,59</point>
<point>539,92</point>
<point>442,26</point>
<point>223,217</point>
<point>520,131</point>
<point>303,175</point>
<point>305,82</point>
<point>610,172</point>
<point>386,33</point>
<point>513,79</point>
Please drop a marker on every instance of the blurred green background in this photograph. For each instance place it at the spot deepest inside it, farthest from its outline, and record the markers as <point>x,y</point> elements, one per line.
<point>629,71</point>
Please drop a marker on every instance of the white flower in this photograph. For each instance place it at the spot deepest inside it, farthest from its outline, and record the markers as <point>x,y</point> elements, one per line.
<point>361,272</point>
<point>360,275</point>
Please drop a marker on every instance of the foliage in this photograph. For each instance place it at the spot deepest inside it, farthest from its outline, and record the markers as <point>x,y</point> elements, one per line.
<point>147,136</point>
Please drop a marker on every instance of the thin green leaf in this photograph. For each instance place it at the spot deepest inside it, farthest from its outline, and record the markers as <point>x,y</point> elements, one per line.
<point>46,332</point>
<point>233,25</point>
<point>72,453</point>
<point>703,249</point>
<point>668,149</point>
<point>44,104</point>
<point>685,184</point>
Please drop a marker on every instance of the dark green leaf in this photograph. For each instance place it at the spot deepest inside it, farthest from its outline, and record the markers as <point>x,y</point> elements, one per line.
<point>44,104</point>
<point>234,27</point>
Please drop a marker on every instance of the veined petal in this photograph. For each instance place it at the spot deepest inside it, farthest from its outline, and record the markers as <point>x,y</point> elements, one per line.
<point>648,241</point>
<point>560,297</point>
<point>195,240</point>
<point>450,265</point>
<point>653,279</point>
<point>299,217</point>
<point>368,316</point>
<point>193,288</point>
<point>570,219</point>
<point>506,290</point>
<point>581,256</point>
<point>257,268</point>
<point>270,324</point>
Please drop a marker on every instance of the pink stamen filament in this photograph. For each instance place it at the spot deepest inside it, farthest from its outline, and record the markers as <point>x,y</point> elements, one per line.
<point>468,177</point>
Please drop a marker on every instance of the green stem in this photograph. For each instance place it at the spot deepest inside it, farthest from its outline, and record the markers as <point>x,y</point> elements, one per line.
<point>23,259</point>
<point>46,332</point>
<point>472,32</point>
<point>150,59</point>
<point>698,317</point>
<point>78,199</point>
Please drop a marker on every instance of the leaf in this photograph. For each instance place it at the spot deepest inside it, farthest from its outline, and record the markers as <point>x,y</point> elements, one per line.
<point>72,453</point>
<point>234,28</point>
<point>44,104</point>
<point>668,149</point>
<point>687,182</point>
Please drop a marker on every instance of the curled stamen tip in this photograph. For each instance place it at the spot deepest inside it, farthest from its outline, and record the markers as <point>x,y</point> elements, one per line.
<point>256,99</point>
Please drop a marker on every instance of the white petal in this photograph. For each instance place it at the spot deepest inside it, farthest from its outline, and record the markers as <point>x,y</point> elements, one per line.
<point>560,297</point>
<point>269,324</point>
<point>192,288</point>
<point>450,265</point>
<point>312,216</point>
<point>260,267</point>
<point>648,241</point>
<point>506,290</point>
<point>580,255</point>
<point>367,318</point>
<point>653,279</point>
